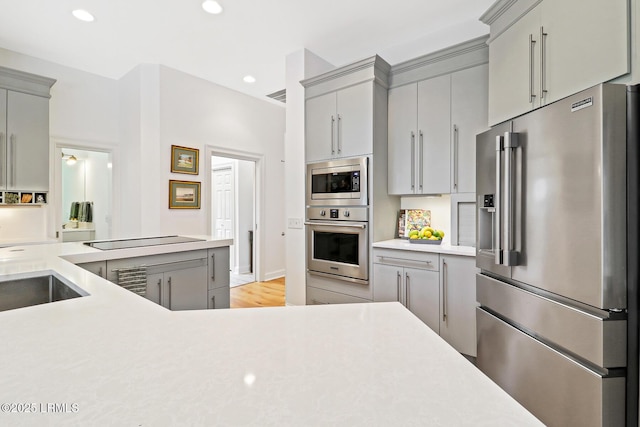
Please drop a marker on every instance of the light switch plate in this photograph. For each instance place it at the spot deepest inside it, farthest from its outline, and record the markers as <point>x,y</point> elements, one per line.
<point>294,223</point>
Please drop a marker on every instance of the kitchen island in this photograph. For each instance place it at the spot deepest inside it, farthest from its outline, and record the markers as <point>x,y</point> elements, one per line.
<point>114,358</point>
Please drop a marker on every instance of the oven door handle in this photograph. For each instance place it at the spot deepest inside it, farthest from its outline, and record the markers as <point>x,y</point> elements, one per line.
<point>332,224</point>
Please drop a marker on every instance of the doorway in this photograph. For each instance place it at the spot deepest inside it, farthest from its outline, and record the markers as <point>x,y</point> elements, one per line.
<point>85,193</point>
<point>233,208</point>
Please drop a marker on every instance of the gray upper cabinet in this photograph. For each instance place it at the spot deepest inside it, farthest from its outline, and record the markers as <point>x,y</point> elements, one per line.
<point>403,114</point>
<point>419,139</point>
<point>469,93</point>
<point>340,109</point>
<point>434,135</point>
<point>437,104</point>
<point>554,50</point>
<point>24,131</point>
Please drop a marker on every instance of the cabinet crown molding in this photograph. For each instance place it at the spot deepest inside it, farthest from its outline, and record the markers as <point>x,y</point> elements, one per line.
<point>444,61</point>
<point>374,68</point>
<point>21,81</point>
<point>496,11</point>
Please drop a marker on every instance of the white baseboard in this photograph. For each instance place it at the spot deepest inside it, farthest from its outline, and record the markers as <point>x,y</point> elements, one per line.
<point>274,275</point>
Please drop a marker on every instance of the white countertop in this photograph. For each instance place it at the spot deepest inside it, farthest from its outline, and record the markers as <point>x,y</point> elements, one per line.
<point>403,244</point>
<point>114,358</point>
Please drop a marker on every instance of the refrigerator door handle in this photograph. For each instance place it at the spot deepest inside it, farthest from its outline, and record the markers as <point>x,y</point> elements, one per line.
<point>511,143</point>
<point>497,240</point>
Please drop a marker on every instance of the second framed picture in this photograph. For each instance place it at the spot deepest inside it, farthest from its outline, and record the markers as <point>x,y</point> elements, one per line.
<point>184,195</point>
<point>184,160</point>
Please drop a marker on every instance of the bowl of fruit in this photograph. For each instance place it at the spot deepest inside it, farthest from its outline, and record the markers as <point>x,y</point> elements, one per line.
<point>426,236</point>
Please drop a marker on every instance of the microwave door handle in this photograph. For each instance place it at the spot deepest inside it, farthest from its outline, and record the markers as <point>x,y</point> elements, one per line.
<point>498,201</point>
<point>511,143</point>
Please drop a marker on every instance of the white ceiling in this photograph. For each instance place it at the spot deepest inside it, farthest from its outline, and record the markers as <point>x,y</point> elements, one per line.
<point>249,37</point>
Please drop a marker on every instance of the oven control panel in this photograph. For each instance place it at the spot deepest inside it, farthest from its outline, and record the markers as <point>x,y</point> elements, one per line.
<point>347,213</point>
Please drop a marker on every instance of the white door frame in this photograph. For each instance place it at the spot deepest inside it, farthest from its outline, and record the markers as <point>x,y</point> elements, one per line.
<point>258,240</point>
<point>55,196</point>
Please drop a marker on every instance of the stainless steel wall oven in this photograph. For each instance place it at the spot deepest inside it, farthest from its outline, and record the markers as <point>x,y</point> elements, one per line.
<point>338,243</point>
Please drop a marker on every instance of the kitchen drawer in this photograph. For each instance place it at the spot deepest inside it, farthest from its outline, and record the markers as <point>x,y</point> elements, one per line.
<point>573,394</point>
<point>219,298</point>
<point>412,259</point>
<point>317,296</point>
<point>603,341</point>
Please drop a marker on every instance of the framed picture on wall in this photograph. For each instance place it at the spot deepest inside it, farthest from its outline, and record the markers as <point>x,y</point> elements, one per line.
<point>184,160</point>
<point>184,195</point>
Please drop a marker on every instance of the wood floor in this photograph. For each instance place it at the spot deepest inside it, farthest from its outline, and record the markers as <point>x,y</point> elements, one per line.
<point>258,294</point>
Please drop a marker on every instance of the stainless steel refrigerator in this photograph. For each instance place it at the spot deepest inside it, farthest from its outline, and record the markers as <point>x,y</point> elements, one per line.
<point>552,246</point>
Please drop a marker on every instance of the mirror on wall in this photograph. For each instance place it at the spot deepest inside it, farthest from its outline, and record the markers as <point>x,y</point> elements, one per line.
<point>86,195</point>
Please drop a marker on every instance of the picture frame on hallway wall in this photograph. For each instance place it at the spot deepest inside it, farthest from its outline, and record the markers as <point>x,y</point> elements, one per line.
<point>184,194</point>
<point>184,160</point>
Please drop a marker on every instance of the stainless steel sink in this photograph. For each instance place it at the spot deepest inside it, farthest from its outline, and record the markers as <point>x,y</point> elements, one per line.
<point>36,290</point>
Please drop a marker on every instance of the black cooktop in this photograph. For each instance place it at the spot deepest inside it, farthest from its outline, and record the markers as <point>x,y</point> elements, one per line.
<point>106,245</point>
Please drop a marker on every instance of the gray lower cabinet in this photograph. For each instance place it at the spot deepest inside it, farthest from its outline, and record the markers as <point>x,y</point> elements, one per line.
<point>218,271</point>
<point>179,289</point>
<point>219,298</point>
<point>438,289</point>
<point>415,288</point>
<point>458,302</point>
<point>190,280</point>
<point>317,296</point>
<point>218,295</point>
<point>99,268</point>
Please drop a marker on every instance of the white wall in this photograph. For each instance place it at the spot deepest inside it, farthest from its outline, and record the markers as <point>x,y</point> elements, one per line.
<point>299,66</point>
<point>197,113</point>
<point>83,109</point>
<point>139,117</point>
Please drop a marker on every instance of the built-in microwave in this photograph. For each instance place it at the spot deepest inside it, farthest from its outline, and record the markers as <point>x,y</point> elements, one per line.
<point>338,182</point>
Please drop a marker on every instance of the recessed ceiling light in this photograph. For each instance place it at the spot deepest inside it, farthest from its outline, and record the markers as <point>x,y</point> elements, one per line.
<point>212,6</point>
<point>249,79</point>
<point>83,15</point>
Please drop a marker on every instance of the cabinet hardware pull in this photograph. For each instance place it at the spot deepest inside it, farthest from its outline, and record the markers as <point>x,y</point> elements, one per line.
<point>445,283</point>
<point>407,285</point>
<point>455,157</point>
<point>498,201</point>
<point>532,42</point>
<point>213,267</point>
<point>3,160</point>
<point>333,148</point>
<point>169,284</point>
<point>100,271</point>
<point>543,53</point>
<point>11,179</point>
<point>382,257</point>
<point>213,302</point>
<point>338,135</point>
<point>202,261</point>
<point>413,161</point>
<point>421,160</point>
<point>160,291</point>
<point>399,279</point>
